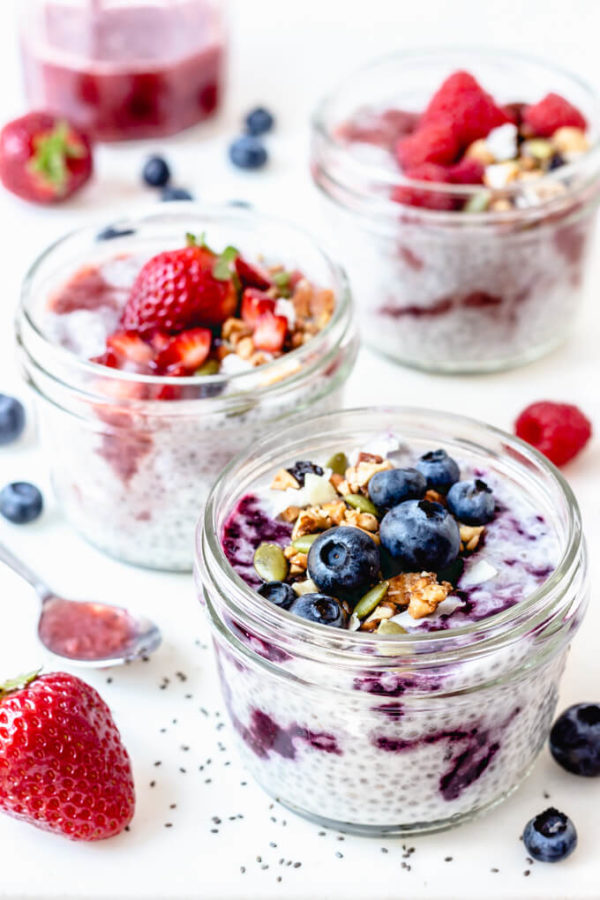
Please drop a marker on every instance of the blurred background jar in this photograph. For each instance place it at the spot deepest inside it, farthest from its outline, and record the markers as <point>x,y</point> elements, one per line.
<point>124,69</point>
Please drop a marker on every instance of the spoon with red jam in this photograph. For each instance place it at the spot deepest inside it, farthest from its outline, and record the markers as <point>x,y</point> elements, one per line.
<point>84,632</point>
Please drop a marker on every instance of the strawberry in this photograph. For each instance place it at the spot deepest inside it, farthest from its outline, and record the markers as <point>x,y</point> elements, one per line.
<point>552,113</point>
<point>179,289</point>
<point>433,142</point>
<point>254,304</point>
<point>44,159</point>
<point>413,196</point>
<point>186,352</point>
<point>466,107</point>
<point>130,345</point>
<point>252,276</point>
<point>63,766</point>
<point>269,332</point>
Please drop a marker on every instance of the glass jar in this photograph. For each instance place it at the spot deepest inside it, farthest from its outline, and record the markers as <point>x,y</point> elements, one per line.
<point>133,456</point>
<point>123,69</point>
<point>452,291</point>
<point>392,733</point>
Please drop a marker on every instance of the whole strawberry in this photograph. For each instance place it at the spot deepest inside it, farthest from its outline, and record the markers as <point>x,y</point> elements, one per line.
<point>180,289</point>
<point>62,764</point>
<point>43,159</point>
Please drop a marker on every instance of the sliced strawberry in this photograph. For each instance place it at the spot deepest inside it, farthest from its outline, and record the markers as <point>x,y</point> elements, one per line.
<point>130,345</point>
<point>254,304</point>
<point>108,358</point>
<point>269,332</point>
<point>252,276</point>
<point>160,340</point>
<point>187,351</point>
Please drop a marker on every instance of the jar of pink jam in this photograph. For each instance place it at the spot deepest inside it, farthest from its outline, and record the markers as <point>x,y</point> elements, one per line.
<point>124,69</point>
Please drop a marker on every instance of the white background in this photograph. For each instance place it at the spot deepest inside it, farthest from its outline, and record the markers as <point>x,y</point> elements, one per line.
<point>283,54</point>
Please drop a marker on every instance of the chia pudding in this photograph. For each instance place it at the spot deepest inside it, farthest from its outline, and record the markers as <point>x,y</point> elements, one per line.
<point>141,402</point>
<point>463,189</point>
<point>382,674</point>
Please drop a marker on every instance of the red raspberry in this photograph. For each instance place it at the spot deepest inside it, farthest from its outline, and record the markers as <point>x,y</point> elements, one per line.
<point>472,111</point>
<point>558,430</point>
<point>467,171</point>
<point>552,113</point>
<point>412,196</point>
<point>431,143</point>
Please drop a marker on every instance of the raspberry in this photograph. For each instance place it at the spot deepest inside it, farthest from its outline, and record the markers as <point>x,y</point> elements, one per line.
<point>472,111</point>
<point>558,430</point>
<point>431,143</point>
<point>467,171</point>
<point>552,113</point>
<point>412,196</point>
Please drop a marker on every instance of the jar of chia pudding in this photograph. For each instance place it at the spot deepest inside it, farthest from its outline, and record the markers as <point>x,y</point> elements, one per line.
<point>428,700</point>
<point>138,410</point>
<point>463,203</point>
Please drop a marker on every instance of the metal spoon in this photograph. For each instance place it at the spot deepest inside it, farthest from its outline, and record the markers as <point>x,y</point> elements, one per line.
<point>91,634</point>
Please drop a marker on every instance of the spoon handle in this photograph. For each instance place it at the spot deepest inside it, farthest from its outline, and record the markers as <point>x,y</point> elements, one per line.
<point>18,566</point>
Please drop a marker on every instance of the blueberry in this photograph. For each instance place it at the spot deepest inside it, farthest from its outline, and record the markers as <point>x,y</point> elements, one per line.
<point>278,592</point>
<point>242,204</point>
<point>20,502</point>
<point>12,419</point>
<point>393,486</point>
<point>472,502</point>
<point>112,231</point>
<point>556,161</point>
<point>550,836</point>
<point>439,469</point>
<point>247,152</point>
<point>156,172</point>
<point>175,193</point>
<point>420,535</point>
<point>302,468</point>
<point>259,121</point>
<point>321,609</point>
<point>344,561</point>
<point>575,739</point>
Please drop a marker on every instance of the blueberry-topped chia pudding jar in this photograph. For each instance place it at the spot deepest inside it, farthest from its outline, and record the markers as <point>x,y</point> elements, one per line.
<point>160,346</point>
<point>392,593</point>
<point>463,187</point>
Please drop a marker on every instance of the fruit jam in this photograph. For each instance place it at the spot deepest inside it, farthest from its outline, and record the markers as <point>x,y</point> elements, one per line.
<point>123,71</point>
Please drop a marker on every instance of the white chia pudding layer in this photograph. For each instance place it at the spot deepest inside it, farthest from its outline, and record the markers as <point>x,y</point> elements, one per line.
<point>410,746</point>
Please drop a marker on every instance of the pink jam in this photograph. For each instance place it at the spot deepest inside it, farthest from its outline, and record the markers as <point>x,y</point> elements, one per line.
<point>124,71</point>
<point>86,631</point>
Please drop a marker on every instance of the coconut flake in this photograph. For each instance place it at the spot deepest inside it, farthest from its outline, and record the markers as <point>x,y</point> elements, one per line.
<point>481,571</point>
<point>502,142</point>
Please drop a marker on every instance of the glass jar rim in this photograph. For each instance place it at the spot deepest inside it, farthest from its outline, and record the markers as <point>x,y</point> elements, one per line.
<point>387,179</point>
<point>269,375</point>
<point>500,628</point>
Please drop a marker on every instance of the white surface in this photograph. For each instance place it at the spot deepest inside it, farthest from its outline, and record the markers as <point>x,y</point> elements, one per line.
<point>283,54</point>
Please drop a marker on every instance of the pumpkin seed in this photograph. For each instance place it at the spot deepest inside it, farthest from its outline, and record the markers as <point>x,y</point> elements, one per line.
<point>479,202</point>
<point>387,627</point>
<point>361,503</point>
<point>270,563</point>
<point>369,601</point>
<point>338,463</point>
<point>210,367</point>
<point>538,148</point>
<point>303,544</point>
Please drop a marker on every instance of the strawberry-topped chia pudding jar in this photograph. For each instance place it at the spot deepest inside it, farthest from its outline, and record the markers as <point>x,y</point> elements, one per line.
<point>463,187</point>
<point>392,593</point>
<point>159,347</point>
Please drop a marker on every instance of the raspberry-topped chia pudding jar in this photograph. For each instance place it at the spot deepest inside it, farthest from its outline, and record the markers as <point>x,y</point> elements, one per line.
<point>392,594</point>
<point>160,346</point>
<point>463,187</point>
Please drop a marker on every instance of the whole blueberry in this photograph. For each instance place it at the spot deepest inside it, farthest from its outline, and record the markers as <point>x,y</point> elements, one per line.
<point>175,193</point>
<point>420,535</point>
<point>259,121</point>
<point>156,172</point>
<point>321,609</point>
<point>393,486</point>
<point>247,152</point>
<point>439,469</point>
<point>12,419</point>
<point>278,592</point>
<point>575,739</point>
<point>550,836</point>
<point>302,468</point>
<point>472,502</point>
<point>20,502</point>
<point>343,561</point>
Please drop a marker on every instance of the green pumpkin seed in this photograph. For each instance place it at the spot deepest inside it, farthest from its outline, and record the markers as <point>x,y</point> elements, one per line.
<point>303,544</point>
<point>338,463</point>
<point>270,563</point>
<point>371,599</point>
<point>361,503</point>
<point>388,627</point>
<point>538,148</point>
<point>210,367</point>
<point>479,202</point>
